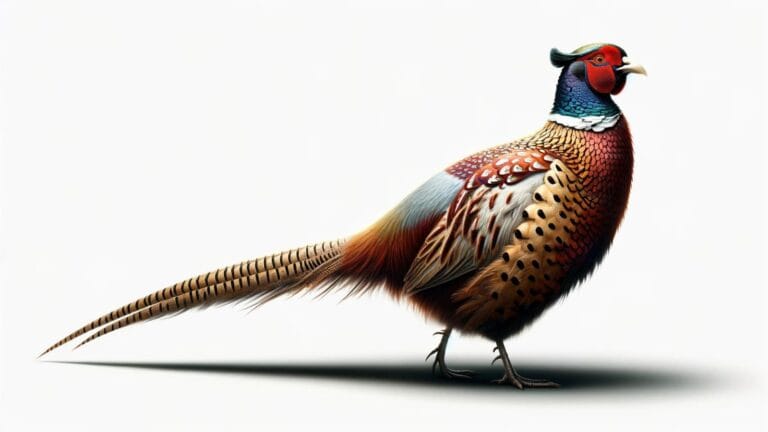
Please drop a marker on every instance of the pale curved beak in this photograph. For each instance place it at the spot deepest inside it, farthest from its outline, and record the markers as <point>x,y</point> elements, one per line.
<point>629,68</point>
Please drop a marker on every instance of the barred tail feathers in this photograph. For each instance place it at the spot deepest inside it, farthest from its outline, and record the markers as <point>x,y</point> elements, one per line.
<point>264,278</point>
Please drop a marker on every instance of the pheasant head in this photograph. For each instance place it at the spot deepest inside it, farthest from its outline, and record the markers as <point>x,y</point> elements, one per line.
<point>590,76</point>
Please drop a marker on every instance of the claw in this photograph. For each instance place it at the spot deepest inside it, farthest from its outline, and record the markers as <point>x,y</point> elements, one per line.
<point>536,383</point>
<point>512,377</point>
<point>532,380</point>
<point>431,353</point>
<point>462,374</point>
<point>542,384</point>
<point>439,361</point>
<point>509,380</point>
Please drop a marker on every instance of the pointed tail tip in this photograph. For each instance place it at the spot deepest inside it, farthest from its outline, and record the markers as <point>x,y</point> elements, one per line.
<point>49,349</point>
<point>82,343</point>
<point>44,353</point>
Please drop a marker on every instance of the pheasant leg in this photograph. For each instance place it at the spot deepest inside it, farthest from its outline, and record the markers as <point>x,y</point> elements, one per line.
<point>439,362</point>
<point>512,377</point>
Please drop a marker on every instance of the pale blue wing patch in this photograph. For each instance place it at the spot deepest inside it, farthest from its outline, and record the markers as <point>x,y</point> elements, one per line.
<point>428,200</point>
<point>475,236</point>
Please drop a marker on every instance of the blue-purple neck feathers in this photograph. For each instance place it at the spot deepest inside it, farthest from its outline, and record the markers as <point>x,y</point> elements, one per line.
<point>575,98</point>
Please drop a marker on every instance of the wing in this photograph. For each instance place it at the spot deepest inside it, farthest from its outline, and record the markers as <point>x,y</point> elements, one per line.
<point>531,269</point>
<point>480,220</point>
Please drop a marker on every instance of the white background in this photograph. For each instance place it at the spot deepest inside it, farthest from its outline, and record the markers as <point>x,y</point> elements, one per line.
<point>143,142</point>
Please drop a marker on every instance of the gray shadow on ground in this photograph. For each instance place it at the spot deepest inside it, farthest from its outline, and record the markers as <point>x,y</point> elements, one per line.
<point>571,377</point>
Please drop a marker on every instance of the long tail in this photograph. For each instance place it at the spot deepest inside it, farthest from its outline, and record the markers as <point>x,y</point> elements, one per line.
<point>263,279</point>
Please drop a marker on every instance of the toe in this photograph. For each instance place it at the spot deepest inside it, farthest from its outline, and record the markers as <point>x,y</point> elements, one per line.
<point>460,374</point>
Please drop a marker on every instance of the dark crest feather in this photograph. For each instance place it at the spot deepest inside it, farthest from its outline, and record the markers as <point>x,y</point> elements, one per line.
<point>559,58</point>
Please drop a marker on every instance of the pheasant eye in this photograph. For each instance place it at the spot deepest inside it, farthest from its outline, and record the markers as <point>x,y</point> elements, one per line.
<point>599,59</point>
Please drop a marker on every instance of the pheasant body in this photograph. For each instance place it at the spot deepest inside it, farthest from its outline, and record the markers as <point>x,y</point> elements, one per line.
<point>565,232</point>
<point>484,246</point>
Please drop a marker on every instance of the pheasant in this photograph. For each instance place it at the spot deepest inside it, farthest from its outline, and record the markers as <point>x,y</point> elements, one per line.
<point>483,247</point>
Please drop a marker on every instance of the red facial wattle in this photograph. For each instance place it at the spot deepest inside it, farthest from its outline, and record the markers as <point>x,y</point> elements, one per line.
<point>601,78</point>
<point>600,69</point>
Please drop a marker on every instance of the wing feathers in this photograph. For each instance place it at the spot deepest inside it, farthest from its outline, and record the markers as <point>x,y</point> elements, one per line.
<point>480,220</point>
